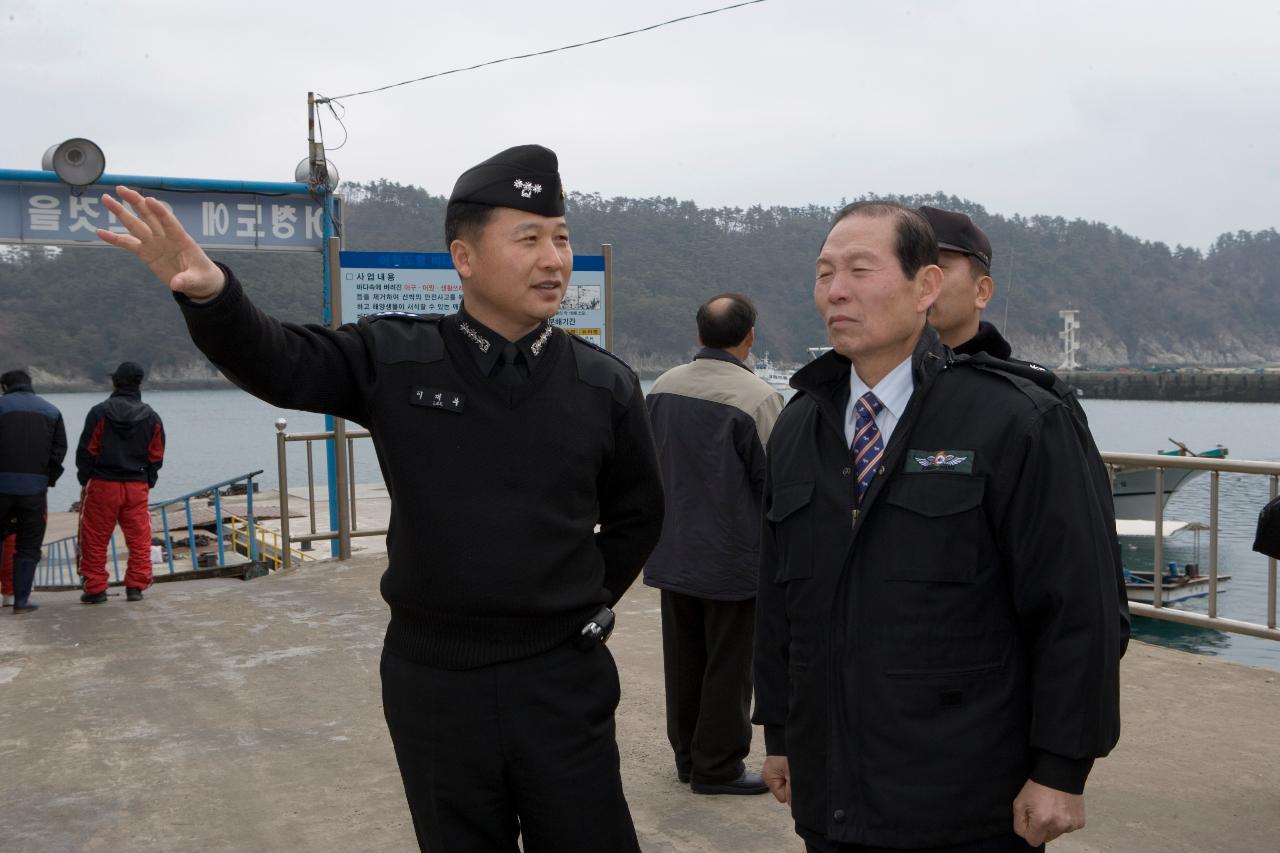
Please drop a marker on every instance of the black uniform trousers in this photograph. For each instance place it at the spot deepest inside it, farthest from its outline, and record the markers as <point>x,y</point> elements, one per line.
<point>523,748</point>
<point>29,513</point>
<point>706,662</point>
<point>816,842</point>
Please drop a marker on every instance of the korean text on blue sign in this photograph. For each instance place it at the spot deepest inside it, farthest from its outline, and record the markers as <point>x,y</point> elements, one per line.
<point>54,214</point>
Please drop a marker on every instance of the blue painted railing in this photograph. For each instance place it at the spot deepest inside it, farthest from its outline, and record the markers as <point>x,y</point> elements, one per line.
<point>59,566</point>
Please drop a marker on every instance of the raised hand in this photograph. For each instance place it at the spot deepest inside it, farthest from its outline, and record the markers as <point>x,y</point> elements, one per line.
<point>159,240</point>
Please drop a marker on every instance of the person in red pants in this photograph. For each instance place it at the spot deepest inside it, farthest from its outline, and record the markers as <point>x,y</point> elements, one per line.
<point>8,544</point>
<point>117,462</point>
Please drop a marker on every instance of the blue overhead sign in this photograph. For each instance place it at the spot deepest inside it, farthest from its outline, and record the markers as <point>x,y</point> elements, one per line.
<point>55,214</point>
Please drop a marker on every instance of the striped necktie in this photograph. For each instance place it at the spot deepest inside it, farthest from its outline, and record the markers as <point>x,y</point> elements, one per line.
<point>868,446</point>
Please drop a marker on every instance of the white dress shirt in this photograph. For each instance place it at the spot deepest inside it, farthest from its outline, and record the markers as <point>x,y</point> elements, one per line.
<point>893,392</point>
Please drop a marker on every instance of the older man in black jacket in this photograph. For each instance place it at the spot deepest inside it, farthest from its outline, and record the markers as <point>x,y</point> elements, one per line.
<point>938,646</point>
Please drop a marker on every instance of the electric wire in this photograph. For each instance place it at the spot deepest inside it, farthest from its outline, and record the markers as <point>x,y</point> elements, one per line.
<point>323,99</point>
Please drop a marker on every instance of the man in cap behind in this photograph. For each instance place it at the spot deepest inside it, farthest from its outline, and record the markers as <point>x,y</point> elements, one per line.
<point>964,253</point>
<point>498,691</point>
<point>118,462</point>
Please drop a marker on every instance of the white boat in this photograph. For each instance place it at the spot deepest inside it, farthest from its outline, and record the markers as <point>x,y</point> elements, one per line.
<point>1178,583</point>
<point>1134,489</point>
<point>768,371</point>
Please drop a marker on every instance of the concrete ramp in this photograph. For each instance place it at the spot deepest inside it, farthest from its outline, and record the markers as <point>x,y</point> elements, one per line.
<point>232,715</point>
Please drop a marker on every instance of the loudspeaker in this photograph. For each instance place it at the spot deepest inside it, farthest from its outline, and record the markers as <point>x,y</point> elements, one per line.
<point>328,173</point>
<point>78,162</point>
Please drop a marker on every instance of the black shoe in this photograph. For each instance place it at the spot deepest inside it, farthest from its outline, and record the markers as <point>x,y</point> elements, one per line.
<point>748,783</point>
<point>98,598</point>
<point>683,776</point>
<point>133,594</point>
<point>26,608</point>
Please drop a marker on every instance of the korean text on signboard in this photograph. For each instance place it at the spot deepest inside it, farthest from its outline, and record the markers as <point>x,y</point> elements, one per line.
<point>54,214</point>
<point>426,283</point>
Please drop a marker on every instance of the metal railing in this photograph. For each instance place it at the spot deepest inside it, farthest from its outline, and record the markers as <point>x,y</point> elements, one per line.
<point>347,525</point>
<point>1216,467</point>
<point>59,566</point>
<point>264,540</point>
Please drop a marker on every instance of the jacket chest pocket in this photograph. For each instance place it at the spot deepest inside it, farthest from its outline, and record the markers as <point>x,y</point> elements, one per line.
<point>792,526</point>
<point>937,528</point>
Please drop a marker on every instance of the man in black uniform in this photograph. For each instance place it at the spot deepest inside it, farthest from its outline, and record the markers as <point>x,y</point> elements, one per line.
<point>937,651</point>
<point>498,691</point>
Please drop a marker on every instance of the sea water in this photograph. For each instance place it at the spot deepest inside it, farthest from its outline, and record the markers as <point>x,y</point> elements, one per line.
<point>218,435</point>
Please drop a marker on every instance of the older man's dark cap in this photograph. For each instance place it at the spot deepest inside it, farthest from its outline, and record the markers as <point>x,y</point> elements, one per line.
<point>1267,538</point>
<point>957,233</point>
<point>128,373</point>
<point>525,177</point>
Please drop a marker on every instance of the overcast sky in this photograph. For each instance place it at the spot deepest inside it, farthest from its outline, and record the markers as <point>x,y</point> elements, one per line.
<point>1161,118</point>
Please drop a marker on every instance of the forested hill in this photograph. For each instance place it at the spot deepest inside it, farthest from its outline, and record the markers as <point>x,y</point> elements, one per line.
<point>72,315</point>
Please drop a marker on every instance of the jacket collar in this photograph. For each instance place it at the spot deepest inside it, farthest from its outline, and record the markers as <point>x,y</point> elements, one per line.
<point>721,355</point>
<point>988,340</point>
<point>485,345</point>
<point>826,378</point>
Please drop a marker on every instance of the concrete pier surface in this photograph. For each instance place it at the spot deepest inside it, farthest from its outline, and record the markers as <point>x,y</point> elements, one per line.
<point>233,716</point>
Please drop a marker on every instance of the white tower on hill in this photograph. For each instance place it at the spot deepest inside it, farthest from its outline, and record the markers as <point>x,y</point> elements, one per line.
<point>1070,345</point>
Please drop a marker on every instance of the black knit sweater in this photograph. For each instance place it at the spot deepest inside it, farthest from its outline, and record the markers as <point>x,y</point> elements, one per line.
<point>495,493</point>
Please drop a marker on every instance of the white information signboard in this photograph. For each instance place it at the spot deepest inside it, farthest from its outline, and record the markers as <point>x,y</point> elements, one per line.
<point>426,283</point>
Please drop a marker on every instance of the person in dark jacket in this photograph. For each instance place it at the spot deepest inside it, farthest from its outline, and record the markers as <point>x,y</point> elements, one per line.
<point>964,255</point>
<point>711,419</point>
<point>937,648</point>
<point>540,501</point>
<point>118,462</point>
<point>33,443</point>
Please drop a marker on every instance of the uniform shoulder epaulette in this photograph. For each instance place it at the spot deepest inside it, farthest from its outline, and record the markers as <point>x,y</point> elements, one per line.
<point>603,369</point>
<point>397,336</point>
<point>1028,370</point>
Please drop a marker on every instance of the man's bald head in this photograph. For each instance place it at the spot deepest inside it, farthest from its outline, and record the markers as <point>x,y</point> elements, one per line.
<point>725,320</point>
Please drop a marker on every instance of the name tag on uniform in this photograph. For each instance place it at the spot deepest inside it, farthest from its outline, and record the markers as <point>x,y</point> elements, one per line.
<point>438,398</point>
<point>939,461</point>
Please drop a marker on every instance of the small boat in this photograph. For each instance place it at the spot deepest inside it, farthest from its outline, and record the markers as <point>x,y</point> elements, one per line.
<point>777,377</point>
<point>1134,489</point>
<point>1176,584</point>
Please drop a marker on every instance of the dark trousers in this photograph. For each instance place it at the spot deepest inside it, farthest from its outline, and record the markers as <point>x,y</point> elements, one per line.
<point>816,842</point>
<point>523,748</point>
<point>706,661</point>
<point>28,511</point>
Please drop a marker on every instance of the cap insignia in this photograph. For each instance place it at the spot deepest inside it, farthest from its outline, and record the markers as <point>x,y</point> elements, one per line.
<point>528,189</point>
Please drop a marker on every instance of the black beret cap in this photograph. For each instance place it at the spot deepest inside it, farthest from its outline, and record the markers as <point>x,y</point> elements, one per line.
<point>128,373</point>
<point>957,233</point>
<point>1267,539</point>
<point>525,177</point>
